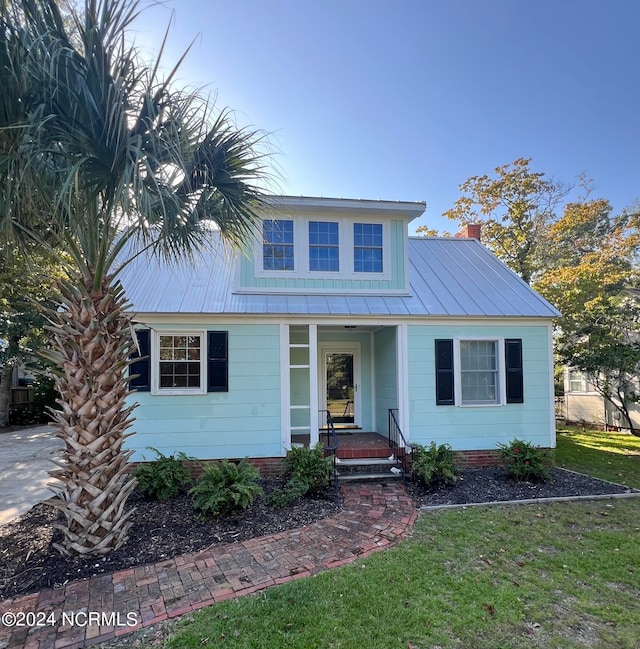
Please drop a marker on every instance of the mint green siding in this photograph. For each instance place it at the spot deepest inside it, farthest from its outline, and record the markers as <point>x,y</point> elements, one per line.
<point>480,427</point>
<point>386,376</point>
<point>291,280</point>
<point>245,421</point>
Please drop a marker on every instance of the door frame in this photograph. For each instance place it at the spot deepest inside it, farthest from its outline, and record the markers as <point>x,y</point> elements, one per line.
<point>354,348</point>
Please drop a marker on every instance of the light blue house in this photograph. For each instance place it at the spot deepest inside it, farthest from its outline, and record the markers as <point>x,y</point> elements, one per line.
<point>337,309</point>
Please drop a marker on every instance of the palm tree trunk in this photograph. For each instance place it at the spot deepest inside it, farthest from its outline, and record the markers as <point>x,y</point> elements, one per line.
<point>92,342</point>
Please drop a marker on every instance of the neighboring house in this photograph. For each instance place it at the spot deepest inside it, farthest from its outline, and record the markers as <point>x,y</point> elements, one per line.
<point>583,404</point>
<point>337,308</point>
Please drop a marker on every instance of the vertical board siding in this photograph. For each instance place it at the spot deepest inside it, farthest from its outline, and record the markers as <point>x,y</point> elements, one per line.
<point>245,421</point>
<point>481,427</point>
<point>386,365</point>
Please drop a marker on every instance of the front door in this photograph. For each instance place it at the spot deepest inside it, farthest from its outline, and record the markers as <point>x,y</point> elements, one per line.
<point>340,385</point>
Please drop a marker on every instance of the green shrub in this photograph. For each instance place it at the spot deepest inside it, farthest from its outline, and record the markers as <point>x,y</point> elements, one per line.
<point>163,477</point>
<point>288,494</point>
<point>434,464</point>
<point>307,465</point>
<point>226,486</point>
<point>524,461</point>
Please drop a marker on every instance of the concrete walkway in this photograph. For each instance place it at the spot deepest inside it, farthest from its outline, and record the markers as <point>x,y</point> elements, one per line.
<point>94,610</point>
<point>25,459</point>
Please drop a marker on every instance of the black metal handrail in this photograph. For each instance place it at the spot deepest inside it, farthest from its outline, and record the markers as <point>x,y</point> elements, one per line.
<point>332,438</point>
<point>397,441</point>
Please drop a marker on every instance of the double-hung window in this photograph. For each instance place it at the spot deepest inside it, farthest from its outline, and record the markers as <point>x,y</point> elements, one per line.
<point>479,376</point>
<point>278,245</point>
<point>367,247</point>
<point>180,361</point>
<point>577,381</point>
<point>324,246</point>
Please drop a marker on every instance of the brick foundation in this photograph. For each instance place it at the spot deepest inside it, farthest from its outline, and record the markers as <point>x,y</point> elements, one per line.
<point>476,459</point>
<point>268,466</point>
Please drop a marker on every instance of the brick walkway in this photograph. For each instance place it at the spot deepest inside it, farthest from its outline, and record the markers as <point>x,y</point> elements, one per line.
<point>374,517</point>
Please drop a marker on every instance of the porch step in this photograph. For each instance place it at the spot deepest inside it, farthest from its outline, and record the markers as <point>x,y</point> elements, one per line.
<point>368,477</point>
<point>366,461</point>
<point>367,469</point>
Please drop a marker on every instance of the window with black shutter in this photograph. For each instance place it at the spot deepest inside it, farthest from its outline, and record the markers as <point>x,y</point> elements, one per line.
<point>217,361</point>
<point>444,373</point>
<point>140,370</point>
<point>514,373</point>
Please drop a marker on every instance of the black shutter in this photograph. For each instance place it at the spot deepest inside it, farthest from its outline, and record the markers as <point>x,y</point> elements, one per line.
<point>515,381</point>
<point>444,373</point>
<point>217,361</point>
<point>142,367</point>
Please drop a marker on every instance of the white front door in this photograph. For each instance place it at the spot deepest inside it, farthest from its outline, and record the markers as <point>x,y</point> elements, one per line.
<point>340,383</point>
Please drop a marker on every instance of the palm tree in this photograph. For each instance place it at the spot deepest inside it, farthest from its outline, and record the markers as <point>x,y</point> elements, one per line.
<point>106,159</point>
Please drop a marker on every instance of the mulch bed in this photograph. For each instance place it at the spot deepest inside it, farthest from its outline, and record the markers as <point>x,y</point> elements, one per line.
<point>29,563</point>
<point>492,484</point>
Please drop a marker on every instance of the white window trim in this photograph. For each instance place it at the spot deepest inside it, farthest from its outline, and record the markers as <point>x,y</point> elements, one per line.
<point>345,255</point>
<point>585,382</point>
<point>502,377</point>
<point>155,362</point>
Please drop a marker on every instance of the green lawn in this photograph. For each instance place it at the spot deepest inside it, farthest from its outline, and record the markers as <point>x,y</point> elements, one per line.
<point>608,455</point>
<point>561,575</point>
<point>564,575</point>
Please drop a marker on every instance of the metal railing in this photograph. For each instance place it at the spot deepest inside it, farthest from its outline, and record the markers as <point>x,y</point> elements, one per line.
<point>331,445</point>
<point>397,442</point>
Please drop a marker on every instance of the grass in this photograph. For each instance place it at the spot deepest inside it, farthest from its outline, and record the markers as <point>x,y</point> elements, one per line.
<point>562,575</point>
<point>608,455</point>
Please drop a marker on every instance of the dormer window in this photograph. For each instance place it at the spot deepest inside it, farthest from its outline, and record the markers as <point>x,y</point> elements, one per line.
<point>367,247</point>
<point>324,246</point>
<point>315,248</point>
<point>277,249</point>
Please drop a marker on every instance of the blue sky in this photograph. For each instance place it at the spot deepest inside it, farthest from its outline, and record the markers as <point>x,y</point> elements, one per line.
<point>405,99</point>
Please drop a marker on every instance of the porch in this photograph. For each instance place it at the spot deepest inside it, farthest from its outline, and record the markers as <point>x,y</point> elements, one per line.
<point>356,373</point>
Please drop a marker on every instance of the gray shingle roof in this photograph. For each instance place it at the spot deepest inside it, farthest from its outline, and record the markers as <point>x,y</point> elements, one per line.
<point>448,277</point>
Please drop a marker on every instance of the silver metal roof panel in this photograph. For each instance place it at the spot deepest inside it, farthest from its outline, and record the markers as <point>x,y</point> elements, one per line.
<point>447,277</point>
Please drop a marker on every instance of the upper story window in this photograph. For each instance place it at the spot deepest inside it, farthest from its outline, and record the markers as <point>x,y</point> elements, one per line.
<point>277,249</point>
<point>324,246</point>
<point>367,247</point>
<point>316,247</point>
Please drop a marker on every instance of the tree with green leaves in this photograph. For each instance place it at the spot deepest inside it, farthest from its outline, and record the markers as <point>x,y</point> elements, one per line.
<point>592,278</point>
<point>515,207</point>
<point>26,284</point>
<point>115,160</point>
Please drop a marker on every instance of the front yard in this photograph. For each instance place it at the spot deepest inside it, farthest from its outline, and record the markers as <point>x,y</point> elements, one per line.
<point>602,454</point>
<point>562,575</point>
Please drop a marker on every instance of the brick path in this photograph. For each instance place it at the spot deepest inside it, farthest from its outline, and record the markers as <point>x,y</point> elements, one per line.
<point>374,517</point>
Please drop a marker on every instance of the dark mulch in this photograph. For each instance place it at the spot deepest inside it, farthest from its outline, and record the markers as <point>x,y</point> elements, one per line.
<point>492,484</point>
<point>29,562</point>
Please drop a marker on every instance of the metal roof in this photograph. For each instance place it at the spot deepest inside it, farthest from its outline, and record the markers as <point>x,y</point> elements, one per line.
<point>447,276</point>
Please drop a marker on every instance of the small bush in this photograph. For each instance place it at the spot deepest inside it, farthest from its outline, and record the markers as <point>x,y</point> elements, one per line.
<point>434,464</point>
<point>307,465</point>
<point>288,494</point>
<point>524,462</point>
<point>226,486</point>
<point>164,477</point>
